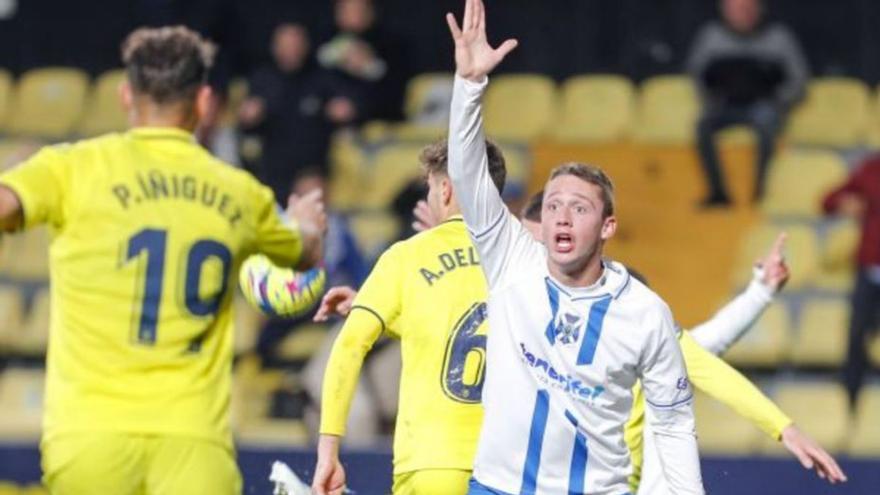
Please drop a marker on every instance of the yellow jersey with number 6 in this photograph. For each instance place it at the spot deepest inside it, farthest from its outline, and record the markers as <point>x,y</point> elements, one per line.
<point>148,231</point>
<point>429,292</point>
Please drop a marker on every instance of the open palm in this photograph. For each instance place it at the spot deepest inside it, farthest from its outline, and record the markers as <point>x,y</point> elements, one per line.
<point>474,57</point>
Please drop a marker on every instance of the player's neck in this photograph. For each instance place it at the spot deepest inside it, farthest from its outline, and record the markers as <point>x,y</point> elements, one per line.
<point>151,115</point>
<point>452,210</point>
<point>585,276</point>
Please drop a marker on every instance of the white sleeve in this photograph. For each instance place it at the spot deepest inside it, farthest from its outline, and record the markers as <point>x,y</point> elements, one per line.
<point>669,394</point>
<point>501,240</point>
<point>732,321</point>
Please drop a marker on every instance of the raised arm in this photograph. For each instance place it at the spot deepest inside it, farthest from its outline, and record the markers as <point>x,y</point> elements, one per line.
<point>738,316</point>
<point>478,198</point>
<point>497,234</point>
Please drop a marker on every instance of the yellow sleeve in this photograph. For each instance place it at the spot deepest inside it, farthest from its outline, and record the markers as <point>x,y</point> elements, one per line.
<point>375,308</point>
<point>277,236</point>
<point>723,383</point>
<point>41,183</point>
<point>632,434</point>
<point>381,292</point>
<point>358,334</point>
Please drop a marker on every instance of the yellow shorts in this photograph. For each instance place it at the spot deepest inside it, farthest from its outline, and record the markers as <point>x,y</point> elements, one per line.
<point>128,464</point>
<point>432,482</point>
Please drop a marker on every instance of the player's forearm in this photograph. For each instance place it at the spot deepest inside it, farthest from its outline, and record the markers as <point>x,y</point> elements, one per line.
<point>312,248</point>
<point>725,384</point>
<point>733,320</point>
<point>477,195</point>
<point>677,448</point>
<point>360,332</point>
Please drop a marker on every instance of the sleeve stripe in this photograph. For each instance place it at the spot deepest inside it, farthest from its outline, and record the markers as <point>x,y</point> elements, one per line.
<point>371,311</point>
<point>670,406</point>
<point>491,227</point>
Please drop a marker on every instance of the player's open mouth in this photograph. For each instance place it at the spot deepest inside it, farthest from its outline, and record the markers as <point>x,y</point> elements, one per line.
<point>564,243</point>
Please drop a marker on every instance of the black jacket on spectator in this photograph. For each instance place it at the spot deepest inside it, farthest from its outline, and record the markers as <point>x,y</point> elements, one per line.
<point>295,132</point>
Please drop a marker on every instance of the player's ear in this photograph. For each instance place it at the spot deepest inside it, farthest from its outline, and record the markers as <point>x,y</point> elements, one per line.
<point>609,227</point>
<point>446,190</point>
<point>126,97</point>
<point>205,102</point>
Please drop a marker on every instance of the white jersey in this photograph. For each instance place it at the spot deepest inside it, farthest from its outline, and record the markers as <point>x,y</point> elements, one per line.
<point>716,336</point>
<point>562,361</point>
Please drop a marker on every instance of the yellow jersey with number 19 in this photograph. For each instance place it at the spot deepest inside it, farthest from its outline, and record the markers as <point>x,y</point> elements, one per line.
<point>147,233</point>
<point>429,292</point>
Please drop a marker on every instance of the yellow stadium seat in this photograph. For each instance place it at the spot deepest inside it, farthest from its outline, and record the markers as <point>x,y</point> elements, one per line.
<point>247,325</point>
<point>864,440</point>
<point>406,131</point>
<point>11,317</point>
<point>349,168</point>
<point>8,488</point>
<point>15,151</point>
<point>874,349</point>
<point>103,111</point>
<point>835,112</point>
<point>25,255</point>
<point>720,431</point>
<point>21,403</point>
<point>374,231</point>
<point>48,102</point>
<point>838,257</point>
<point>596,108</point>
<point>300,344</point>
<point>874,119</point>
<point>394,166</point>
<point>801,251</point>
<point>819,409</point>
<point>798,180</point>
<point>822,337</point>
<point>767,343</point>
<point>35,333</point>
<point>34,490</point>
<point>426,108</point>
<point>667,111</point>
<point>519,170</point>
<point>419,90</point>
<point>519,106</point>
<point>6,85</point>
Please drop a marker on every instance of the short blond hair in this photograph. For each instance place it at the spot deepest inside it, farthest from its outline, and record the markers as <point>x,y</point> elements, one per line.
<point>593,175</point>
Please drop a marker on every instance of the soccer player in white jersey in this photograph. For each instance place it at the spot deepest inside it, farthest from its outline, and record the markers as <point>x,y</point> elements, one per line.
<point>558,386</point>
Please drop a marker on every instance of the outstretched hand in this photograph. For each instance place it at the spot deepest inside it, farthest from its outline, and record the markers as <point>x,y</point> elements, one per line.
<point>474,57</point>
<point>811,455</point>
<point>337,301</point>
<point>776,271</point>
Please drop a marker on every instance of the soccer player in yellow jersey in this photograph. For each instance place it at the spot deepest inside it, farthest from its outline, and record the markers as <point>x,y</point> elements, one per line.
<point>148,231</point>
<point>429,292</point>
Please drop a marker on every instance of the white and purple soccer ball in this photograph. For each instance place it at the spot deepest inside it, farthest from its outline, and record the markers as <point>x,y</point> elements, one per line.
<point>281,292</point>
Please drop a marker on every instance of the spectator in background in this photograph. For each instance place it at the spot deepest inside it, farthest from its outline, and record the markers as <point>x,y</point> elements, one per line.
<point>343,261</point>
<point>368,56</point>
<point>859,198</point>
<point>747,73</point>
<point>294,106</point>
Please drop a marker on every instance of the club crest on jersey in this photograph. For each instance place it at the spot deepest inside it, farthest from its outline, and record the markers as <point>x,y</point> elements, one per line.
<point>568,329</point>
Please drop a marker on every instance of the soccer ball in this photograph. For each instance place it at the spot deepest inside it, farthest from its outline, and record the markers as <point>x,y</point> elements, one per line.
<point>282,292</point>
